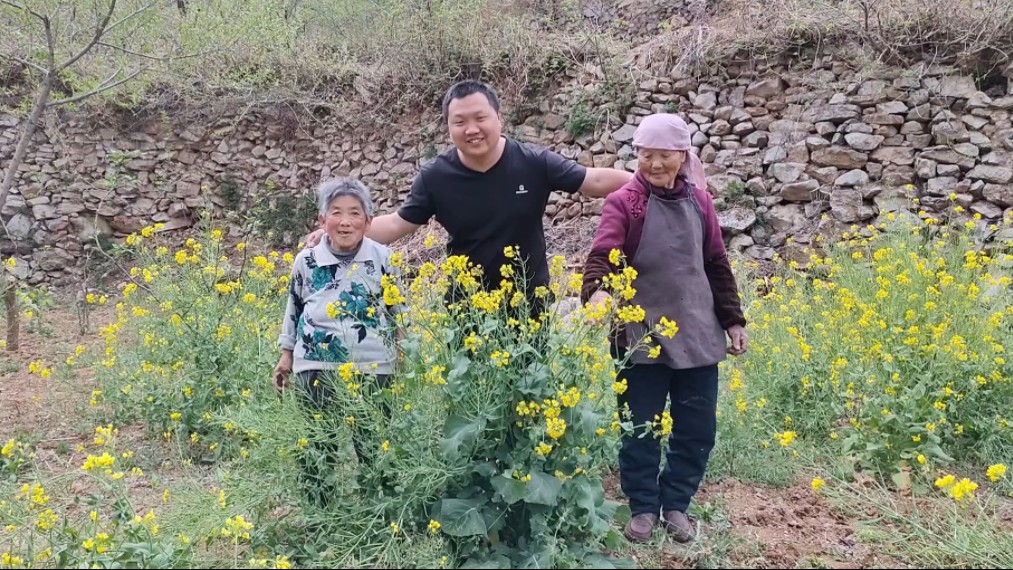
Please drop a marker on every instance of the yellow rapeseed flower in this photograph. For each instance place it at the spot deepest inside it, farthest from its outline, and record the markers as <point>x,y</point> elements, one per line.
<point>996,472</point>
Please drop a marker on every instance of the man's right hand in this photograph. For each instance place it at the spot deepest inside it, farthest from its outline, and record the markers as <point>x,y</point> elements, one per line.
<point>384,229</point>
<point>313,238</point>
<point>282,371</point>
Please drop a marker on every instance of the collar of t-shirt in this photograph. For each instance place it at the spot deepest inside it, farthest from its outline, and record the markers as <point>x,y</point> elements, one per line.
<point>506,149</point>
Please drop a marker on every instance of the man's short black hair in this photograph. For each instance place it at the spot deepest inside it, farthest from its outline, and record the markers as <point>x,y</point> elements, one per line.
<point>462,89</point>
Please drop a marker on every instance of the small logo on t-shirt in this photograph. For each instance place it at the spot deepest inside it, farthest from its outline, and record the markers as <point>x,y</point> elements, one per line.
<point>521,189</point>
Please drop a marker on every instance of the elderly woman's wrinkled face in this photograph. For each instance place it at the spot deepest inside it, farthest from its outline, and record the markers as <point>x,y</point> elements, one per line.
<point>346,222</point>
<point>659,166</point>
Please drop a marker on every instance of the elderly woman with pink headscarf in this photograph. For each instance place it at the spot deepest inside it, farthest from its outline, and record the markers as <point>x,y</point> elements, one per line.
<point>663,221</point>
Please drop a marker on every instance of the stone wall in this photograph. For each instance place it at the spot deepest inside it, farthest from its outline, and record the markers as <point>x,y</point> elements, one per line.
<point>787,153</point>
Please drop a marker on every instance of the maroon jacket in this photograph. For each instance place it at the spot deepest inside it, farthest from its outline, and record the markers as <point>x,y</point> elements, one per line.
<point>622,223</point>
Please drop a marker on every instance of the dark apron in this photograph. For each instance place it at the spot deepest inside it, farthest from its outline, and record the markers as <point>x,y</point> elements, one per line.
<point>671,282</point>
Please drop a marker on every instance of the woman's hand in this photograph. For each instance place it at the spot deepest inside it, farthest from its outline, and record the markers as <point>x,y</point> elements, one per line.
<point>282,371</point>
<point>600,301</point>
<point>740,340</point>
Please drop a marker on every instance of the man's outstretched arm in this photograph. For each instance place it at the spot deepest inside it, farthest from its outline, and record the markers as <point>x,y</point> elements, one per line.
<point>389,228</point>
<point>600,182</point>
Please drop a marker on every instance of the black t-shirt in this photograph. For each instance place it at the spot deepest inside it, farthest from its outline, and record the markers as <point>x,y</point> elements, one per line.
<point>484,212</point>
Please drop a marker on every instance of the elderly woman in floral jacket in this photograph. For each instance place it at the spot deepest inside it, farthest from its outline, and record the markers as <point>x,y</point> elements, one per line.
<point>663,222</point>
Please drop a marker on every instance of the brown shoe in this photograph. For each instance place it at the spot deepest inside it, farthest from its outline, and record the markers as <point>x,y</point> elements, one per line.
<point>679,527</point>
<point>641,527</point>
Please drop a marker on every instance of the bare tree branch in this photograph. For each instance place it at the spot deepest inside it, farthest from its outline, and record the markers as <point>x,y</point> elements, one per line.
<point>35,66</point>
<point>130,16</point>
<point>17,6</point>
<point>99,31</point>
<point>50,45</point>
<point>134,53</point>
<point>105,86</point>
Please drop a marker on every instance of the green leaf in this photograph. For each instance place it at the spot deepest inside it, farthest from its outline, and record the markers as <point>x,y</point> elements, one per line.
<point>462,517</point>
<point>543,489</point>
<point>623,563</point>
<point>902,479</point>
<point>509,488</point>
<point>596,560</point>
<point>613,540</point>
<point>459,436</point>
<point>540,558</point>
<point>495,561</point>
<point>587,495</point>
<point>534,381</point>
<point>484,469</point>
<point>587,422</point>
<point>623,514</point>
<point>458,382</point>
<point>460,367</point>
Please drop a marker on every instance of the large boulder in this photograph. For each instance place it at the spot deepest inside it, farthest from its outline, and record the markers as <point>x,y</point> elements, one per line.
<point>840,157</point>
<point>994,174</point>
<point>846,205</point>
<point>736,220</point>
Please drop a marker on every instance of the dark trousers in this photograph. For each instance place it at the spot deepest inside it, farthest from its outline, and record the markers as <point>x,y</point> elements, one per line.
<point>693,393</point>
<point>318,461</point>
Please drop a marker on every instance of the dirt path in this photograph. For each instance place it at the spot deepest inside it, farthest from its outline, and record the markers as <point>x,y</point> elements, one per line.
<point>48,410</point>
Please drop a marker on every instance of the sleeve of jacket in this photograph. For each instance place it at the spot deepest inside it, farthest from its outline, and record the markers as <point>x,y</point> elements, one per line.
<point>293,308</point>
<point>727,305</point>
<point>611,235</point>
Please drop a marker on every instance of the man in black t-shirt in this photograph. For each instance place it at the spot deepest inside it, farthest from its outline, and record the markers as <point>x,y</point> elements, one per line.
<point>483,212</point>
<point>490,192</point>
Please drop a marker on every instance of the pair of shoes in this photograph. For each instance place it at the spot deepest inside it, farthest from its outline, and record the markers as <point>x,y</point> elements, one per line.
<point>641,527</point>
<point>679,526</point>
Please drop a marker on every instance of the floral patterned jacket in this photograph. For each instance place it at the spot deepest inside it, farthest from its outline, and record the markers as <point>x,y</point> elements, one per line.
<point>336,312</point>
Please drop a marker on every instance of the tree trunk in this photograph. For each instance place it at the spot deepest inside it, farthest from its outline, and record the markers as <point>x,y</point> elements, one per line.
<point>13,317</point>
<point>26,137</point>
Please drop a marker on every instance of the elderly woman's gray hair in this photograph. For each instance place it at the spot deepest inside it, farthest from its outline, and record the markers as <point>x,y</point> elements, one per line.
<point>335,188</point>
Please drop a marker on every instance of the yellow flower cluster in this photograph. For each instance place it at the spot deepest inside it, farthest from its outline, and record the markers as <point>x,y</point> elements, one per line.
<point>957,490</point>
<point>528,409</point>
<point>996,472</point>
<point>37,367</point>
<point>33,494</point>
<point>543,449</point>
<point>488,301</point>
<point>621,283</point>
<point>663,424</point>
<point>278,562</point>
<point>630,314</point>
<point>473,343</point>
<point>435,375</point>
<point>785,438</point>
<point>500,358</point>
<point>236,527</point>
<point>104,461</point>
<point>555,427</point>
<point>666,327</point>
<point>391,293</point>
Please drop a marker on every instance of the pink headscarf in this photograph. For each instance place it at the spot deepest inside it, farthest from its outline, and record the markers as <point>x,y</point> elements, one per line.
<point>664,131</point>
